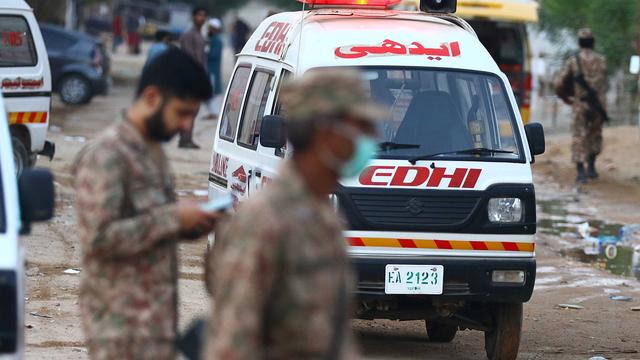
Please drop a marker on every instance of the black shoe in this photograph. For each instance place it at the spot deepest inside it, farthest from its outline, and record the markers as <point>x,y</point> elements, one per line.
<point>189,145</point>
<point>582,175</point>
<point>591,171</point>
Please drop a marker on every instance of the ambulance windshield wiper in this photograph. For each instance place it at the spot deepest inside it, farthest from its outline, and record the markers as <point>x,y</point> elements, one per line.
<point>390,145</point>
<point>474,151</point>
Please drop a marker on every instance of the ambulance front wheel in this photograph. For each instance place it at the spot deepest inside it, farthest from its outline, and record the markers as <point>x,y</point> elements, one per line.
<point>440,332</point>
<point>503,340</point>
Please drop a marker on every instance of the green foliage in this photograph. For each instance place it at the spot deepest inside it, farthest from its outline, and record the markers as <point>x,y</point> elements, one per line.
<point>615,24</point>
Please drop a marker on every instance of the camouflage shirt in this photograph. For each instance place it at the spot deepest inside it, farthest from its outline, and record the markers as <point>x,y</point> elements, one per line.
<point>128,232</point>
<point>277,272</point>
<point>594,68</point>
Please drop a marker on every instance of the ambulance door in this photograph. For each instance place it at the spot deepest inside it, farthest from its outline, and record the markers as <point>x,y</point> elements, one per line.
<point>227,164</point>
<point>258,103</point>
<point>270,158</point>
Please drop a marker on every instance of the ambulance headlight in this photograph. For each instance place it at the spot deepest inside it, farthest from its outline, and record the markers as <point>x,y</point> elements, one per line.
<point>505,210</point>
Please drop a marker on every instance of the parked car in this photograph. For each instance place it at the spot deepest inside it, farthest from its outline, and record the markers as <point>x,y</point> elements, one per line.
<point>80,65</point>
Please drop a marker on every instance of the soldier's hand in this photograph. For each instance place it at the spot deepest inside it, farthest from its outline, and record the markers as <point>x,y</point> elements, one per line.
<point>195,222</point>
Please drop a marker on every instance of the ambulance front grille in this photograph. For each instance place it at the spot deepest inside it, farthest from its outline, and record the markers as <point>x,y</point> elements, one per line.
<point>398,211</point>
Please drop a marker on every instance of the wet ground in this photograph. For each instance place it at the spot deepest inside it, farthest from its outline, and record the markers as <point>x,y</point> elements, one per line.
<point>604,244</point>
<point>599,325</point>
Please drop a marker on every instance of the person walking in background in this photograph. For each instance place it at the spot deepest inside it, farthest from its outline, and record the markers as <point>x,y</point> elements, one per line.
<point>118,32</point>
<point>162,42</point>
<point>193,43</point>
<point>214,64</point>
<point>133,37</point>
<point>279,272</point>
<point>582,83</point>
<point>129,220</point>
<point>239,35</point>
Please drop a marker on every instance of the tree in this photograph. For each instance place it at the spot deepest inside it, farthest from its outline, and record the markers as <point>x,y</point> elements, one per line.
<point>615,24</point>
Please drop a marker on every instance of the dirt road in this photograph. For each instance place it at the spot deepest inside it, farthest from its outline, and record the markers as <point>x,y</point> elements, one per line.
<point>603,327</point>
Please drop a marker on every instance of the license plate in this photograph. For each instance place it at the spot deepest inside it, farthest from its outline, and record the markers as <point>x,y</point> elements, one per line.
<point>414,279</point>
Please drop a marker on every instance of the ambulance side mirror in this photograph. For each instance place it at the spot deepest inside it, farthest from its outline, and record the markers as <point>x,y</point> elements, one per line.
<point>535,137</point>
<point>272,132</point>
<point>37,197</point>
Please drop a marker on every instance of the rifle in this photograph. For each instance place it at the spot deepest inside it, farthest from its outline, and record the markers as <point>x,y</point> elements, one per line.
<point>592,97</point>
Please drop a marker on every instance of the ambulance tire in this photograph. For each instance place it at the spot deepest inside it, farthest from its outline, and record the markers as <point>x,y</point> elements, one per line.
<point>503,341</point>
<point>440,332</point>
<point>20,155</point>
<point>75,90</point>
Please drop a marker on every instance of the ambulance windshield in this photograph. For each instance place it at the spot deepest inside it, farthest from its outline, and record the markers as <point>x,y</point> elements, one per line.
<point>443,113</point>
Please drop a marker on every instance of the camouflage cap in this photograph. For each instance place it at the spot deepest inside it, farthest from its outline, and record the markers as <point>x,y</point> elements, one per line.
<point>585,33</point>
<point>329,93</point>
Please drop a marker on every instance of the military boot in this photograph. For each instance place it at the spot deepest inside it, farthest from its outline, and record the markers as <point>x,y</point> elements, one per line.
<point>582,174</point>
<point>591,170</point>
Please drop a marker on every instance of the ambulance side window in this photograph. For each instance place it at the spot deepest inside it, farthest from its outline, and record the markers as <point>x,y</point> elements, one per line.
<point>16,43</point>
<point>284,76</point>
<point>232,107</point>
<point>254,109</point>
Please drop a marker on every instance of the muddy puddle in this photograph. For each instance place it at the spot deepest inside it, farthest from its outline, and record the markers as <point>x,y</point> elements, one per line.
<point>606,245</point>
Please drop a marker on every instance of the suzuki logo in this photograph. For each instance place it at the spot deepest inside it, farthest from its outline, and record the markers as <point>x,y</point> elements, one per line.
<point>414,206</point>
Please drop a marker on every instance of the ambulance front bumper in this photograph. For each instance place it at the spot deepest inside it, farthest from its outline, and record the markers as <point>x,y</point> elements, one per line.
<point>465,278</point>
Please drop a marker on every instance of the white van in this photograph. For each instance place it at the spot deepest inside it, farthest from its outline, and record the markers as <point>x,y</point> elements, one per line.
<point>25,82</point>
<point>22,202</point>
<point>442,223</point>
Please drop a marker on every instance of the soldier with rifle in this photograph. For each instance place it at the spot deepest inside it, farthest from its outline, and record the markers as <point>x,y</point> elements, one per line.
<point>583,84</point>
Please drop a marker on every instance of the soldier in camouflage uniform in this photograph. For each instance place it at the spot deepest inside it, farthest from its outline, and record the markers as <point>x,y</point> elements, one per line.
<point>278,272</point>
<point>586,124</point>
<point>129,219</point>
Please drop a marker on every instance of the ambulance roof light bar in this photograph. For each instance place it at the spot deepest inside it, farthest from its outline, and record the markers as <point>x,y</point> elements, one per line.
<point>352,3</point>
<point>439,6</point>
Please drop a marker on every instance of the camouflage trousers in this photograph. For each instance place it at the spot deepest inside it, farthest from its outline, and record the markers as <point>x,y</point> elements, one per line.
<point>132,349</point>
<point>587,137</point>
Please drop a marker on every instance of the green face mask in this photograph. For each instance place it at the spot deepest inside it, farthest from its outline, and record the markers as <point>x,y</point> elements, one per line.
<point>365,150</point>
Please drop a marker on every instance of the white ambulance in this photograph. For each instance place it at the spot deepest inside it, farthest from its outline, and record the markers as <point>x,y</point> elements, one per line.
<point>24,201</point>
<point>25,82</point>
<point>442,223</point>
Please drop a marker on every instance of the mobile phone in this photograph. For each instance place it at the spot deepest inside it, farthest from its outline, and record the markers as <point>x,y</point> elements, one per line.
<point>218,204</point>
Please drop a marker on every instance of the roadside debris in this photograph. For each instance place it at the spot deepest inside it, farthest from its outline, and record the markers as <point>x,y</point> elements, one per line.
<point>40,315</point>
<point>72,271</point>
<point>80,139</point>
<point>571,306</point>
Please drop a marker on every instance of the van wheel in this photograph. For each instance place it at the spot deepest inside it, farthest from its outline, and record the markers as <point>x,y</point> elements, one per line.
<point>20,155</point>
<point>75,90</point>
<point>503,341</point>
<point>440,332</point>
